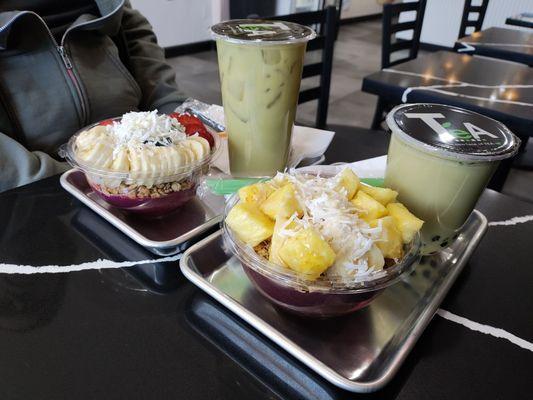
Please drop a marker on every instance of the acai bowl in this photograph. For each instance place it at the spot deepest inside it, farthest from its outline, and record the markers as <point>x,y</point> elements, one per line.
<point>321,246</point>
<point>143,162</point>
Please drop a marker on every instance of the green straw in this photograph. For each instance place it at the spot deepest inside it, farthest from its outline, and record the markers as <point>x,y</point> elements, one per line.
<point>229,186</point>
<point>378,182</point>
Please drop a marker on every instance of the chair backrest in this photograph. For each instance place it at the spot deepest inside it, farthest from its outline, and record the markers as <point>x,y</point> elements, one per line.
<point>475,23</point>
<point>325,40</point>
<point>392,25</point>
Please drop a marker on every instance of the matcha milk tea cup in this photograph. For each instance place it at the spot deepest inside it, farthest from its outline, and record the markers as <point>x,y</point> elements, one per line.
<point>440,159</point>
<point>260,64</point>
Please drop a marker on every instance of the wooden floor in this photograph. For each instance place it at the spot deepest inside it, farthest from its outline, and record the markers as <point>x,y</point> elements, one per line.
<point>357,54</point>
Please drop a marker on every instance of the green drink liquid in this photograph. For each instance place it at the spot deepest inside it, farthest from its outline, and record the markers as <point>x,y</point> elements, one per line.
<point>260,86</point>
<point>441,192</point>
<point>260,65</point>
<point>440,159</point>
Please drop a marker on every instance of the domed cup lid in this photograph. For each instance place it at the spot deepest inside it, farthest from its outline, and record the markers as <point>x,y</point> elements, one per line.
<point>452,132</point>
<point>259,31</point>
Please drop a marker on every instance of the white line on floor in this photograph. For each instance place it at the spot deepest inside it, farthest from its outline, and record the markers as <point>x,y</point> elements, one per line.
<point>486,329</point>
<point>98,264</point>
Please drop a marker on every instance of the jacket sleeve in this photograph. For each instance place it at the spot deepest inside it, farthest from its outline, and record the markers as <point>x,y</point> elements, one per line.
<point>147,62</point>
<point>19,166</point>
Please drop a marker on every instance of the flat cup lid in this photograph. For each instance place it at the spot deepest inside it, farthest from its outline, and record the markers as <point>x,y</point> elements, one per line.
<point>260,31</point>
<point>452,132</point>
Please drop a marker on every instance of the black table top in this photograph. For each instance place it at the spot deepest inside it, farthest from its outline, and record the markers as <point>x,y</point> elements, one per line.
<point>100,334</point>
<point>507,44</point>
<point>496,88</point>
<point>524,19</point>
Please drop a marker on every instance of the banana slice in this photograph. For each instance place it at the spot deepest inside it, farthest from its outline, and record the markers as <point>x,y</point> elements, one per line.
<point>196,147</point>
<point>135,162</point>
<point>175,159</point>
<point>100,155</point>
<point>121,162</point>
<point>187,153</point>
<point>163,162</point>
<point>205,144</point>
<point>86,138</point>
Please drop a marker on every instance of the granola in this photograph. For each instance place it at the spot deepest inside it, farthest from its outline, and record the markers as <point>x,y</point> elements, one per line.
<point>263,249</point>
<point>134,191</point>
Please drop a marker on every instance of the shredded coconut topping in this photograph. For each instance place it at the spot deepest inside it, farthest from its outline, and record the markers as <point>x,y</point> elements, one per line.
<point>141,128</point>
<point>327,210</point>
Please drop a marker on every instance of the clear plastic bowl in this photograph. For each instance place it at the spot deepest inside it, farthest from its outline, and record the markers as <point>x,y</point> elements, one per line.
<point>148,194</point>
<point>324,297</point>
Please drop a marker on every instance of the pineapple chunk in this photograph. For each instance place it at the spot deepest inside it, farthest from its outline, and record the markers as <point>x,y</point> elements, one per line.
<point>249,224</point>
<point>383,195</point>
<point>390,242</point>
<point>279,180</point>
<point>369,208</point>
<point>282,203</point>
<point>276,243</point>
<point>349,181</point>
<point>374,257</point>
<point>407,223</point>
<point>256,193</point>
<point>307,253</point>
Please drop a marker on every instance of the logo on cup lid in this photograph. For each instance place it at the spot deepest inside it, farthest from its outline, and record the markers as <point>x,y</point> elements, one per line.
<point>453,130</point>
<point>258,30</point>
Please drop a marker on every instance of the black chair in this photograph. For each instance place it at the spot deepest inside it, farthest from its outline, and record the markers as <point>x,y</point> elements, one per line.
<point>326,20</point>
<point>391,45</point>
<point>338,5</point>
<point>370,143</point>
<point>475,23</point>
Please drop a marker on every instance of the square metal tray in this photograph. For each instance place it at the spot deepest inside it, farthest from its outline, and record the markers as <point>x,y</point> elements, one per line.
<point>164,236</point>
<point>360,352</point>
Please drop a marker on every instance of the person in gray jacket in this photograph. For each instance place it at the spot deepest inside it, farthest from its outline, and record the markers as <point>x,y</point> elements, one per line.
<point>66,64</point>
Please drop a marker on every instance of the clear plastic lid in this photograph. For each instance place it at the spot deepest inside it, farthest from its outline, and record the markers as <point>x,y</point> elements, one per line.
<point>452,132</point>
<point>259,31</point>
<point>69,152</point>
<point>371,281</point>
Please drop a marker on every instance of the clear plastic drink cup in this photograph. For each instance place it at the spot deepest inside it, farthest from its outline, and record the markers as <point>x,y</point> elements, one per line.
<point>260,64</point>
<point>440,160</point>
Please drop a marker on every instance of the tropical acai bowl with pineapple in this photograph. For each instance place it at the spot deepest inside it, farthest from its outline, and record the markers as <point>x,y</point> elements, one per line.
<point>321,245</point>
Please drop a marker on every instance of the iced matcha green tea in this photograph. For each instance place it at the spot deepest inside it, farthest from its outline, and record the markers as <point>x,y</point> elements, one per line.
<point>440,159</point>
<point>260,64</point>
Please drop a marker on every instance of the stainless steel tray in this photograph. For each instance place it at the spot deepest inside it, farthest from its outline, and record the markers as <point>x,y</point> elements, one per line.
<point>360,352</point>
<point>165,236</point>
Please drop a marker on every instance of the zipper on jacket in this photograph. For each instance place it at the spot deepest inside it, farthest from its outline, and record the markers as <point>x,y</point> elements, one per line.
<point>69,68</point>
<point>64,57</point>
<point>68,65</point>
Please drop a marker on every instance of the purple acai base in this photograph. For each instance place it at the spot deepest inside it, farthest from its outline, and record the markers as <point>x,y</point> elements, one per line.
<point>148,206</point>
<point>309,304</point>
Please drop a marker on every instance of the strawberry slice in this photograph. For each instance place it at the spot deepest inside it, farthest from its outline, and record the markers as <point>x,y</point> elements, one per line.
<point>106,122</point>
<point>193,125</point>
